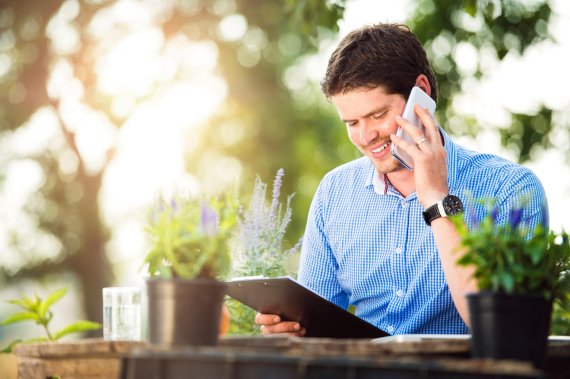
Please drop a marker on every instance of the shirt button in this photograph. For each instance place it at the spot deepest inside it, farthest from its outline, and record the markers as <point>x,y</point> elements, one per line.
<point>399,293</point>
<point>398,250</point>
<point>404,204</point>
<point>390,329</point>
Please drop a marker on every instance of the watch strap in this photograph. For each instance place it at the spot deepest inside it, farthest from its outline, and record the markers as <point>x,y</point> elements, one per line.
<point>434,212</point>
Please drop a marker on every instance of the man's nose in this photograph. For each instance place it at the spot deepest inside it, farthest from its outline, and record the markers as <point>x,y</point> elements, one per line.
<point>367,133</point>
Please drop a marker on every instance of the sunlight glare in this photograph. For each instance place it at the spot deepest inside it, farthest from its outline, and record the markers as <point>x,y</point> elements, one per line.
<point>62,82</point>
<point>61,31</point>
<point>233,27</point>
<point>94,134</point>
<point>150,155</point>
<point>132,65</point>
<point>132,13</point>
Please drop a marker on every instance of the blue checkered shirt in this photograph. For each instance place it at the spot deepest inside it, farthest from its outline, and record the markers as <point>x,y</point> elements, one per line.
<point>368,246</point>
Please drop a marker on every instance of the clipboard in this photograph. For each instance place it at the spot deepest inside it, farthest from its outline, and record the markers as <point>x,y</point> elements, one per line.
<point>289,299</point>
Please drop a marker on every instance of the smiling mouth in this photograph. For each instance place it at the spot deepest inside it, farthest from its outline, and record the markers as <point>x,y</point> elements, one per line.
<point>380,148</point>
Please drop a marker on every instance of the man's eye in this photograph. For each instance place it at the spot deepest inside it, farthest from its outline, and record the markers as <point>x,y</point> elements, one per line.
<point>378,116</point>
<point>352,124</point>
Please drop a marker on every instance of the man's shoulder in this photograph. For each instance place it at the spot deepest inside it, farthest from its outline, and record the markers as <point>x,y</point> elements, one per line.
<point>489,169</point>
<point>488,163</point>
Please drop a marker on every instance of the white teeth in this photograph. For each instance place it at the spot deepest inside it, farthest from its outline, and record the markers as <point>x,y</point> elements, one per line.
<point>381,148</point>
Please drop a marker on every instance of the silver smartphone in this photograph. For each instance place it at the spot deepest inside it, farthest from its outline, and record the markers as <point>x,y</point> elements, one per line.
<point>417,96</point>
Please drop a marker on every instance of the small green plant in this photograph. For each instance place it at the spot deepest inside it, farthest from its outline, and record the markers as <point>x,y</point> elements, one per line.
<point>258,246</point>
<point>513,259</point>
<point>561,319</point>
<point>189,237</point>
<point>38,310</point>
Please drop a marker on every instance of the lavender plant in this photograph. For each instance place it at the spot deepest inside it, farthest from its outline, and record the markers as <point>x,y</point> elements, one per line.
<point>258,245</point>
<point>189,237</point>
<point>258,248</point>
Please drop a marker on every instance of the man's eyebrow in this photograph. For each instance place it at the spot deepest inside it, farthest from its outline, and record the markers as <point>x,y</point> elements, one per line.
<point>381,109</point>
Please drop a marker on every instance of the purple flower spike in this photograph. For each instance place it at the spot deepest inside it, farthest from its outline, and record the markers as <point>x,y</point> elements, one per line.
<point>208,220</point>
<point>472,216</point>
<point>544,216</point>
<point>495,214</point>
<point>277,188</point>
<point>276,191</point>
<point>515,217</point>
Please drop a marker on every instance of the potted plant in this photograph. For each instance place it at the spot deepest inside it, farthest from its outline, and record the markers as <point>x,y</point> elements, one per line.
<point>520,273</point>
<point>189,255</point>
<point>48,356</point>
<point>257,249</point>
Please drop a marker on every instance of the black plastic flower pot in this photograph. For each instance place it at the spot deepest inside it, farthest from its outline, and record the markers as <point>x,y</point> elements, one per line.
<point>184,312</point>
<point>509,326</point>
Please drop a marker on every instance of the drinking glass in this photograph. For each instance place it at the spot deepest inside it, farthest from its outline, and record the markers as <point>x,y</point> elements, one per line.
<point>122,313</point>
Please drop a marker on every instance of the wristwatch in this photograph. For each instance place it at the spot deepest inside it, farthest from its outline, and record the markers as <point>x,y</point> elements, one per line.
<point>450,205</point>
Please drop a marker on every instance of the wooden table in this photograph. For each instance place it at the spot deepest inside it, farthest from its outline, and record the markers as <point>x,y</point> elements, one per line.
<point>276,357</point>
<point>307,358</point>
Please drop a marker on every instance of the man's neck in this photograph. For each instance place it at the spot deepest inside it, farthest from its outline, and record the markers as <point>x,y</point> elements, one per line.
<point>403,181</point>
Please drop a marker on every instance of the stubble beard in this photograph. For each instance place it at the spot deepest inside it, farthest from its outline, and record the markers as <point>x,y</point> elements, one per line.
<point>388,165</point>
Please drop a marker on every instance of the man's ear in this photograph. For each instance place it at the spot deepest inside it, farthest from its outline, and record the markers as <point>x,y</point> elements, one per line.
<point>423,82</point>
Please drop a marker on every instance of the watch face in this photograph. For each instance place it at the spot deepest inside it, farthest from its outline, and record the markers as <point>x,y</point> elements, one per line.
<point>452,205</point>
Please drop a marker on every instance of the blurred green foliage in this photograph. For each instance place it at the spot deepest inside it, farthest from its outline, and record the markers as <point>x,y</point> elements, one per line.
<point>560,320</point>
<point>495,29</point>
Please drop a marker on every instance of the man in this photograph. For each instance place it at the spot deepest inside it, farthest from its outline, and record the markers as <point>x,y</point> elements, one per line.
<point>377,235</point>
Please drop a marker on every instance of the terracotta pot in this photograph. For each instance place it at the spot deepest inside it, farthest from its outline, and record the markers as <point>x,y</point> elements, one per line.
<point>224,321</point>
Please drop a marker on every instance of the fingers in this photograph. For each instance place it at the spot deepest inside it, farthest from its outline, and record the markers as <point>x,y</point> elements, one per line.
<point>418,138</point>
<point>272,325</point>
<point>409,128</point>
<point>431,130</point>
<point>406,146</point>
<point>267,319</point>
<point>285,327</point>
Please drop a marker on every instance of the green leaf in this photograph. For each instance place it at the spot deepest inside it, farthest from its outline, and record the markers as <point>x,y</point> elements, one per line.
<point>51,299</point>
<point>8,349</point>
<point>77,327</point>
<point>29,304</point>
<point>19,303</point>
<point>470,7</point>
<point>507,281</point>
<point>33,303</point>
<point>19,317</point>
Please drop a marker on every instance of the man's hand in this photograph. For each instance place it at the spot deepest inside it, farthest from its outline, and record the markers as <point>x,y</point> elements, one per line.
<point>272,325</point>
<point>429,155</point>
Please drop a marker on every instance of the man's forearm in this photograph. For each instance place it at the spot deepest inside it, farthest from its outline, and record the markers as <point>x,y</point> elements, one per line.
<point>459,279</point>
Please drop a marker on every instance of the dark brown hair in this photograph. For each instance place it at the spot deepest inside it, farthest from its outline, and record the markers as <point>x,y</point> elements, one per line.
<point>387,55</point>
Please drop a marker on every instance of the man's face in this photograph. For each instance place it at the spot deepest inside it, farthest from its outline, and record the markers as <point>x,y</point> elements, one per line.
<point>369,116</point>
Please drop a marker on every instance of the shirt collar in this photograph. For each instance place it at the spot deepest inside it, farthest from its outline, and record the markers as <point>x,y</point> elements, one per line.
<point>379,181</point>
<point>376,180</point>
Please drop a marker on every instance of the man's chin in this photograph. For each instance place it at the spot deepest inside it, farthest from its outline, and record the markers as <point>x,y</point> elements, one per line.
<point>389,165</point>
